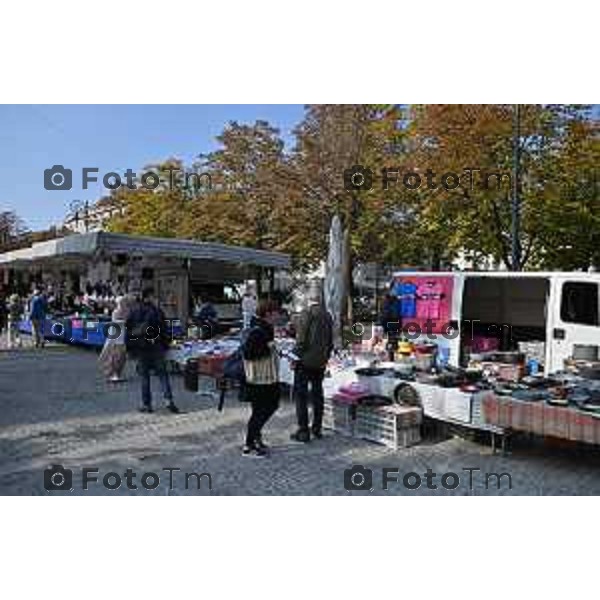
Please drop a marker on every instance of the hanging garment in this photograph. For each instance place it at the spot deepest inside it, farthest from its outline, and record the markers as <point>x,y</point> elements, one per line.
<point>396,288</point>
<point>429,299</point>
<point>408,306</point>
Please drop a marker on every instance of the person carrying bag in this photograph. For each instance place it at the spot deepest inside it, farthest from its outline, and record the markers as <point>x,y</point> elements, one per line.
<point>261,379</point>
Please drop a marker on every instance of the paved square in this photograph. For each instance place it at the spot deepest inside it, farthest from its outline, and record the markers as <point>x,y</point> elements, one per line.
<point>56,409</point>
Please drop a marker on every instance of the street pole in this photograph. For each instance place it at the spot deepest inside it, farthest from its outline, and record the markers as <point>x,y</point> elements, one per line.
<point>516,201</point>
<point>86,219</point>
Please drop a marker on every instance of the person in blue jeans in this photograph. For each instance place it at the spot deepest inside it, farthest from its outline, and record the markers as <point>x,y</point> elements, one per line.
<point>147,341</point>
<point>37,316</point>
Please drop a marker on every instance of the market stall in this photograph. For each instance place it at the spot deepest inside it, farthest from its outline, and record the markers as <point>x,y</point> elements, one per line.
<point>494,352</point>
<point>207,358</point>
<point>381,388</point>
<point>84,274</point>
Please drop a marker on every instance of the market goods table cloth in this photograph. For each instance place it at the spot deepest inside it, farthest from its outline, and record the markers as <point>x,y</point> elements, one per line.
<point>541,418</point>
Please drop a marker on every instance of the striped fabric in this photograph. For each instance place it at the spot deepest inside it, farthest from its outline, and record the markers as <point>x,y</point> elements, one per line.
<point>264,371</point>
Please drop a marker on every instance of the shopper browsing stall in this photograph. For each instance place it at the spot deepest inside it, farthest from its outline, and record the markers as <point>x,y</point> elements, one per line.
<point>314,343</point>
<point>261,387</point>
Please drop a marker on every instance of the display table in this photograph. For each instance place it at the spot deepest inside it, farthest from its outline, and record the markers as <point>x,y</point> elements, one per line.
<point>448,405</point>
<point>211,356</point>
<point>541,418</point>
<point>70,330</point>
<point>75,330</point>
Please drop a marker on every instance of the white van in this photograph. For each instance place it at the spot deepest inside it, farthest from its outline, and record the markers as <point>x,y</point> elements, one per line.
<point>557,308</point>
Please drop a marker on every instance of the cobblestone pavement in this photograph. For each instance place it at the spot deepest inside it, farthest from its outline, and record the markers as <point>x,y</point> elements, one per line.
<point>56,409</point>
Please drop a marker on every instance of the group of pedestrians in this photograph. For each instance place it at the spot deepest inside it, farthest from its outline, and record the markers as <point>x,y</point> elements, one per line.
<point>147,342</point>
<point>138,330</point>
<point>260,377</point>
<point>12,311</point>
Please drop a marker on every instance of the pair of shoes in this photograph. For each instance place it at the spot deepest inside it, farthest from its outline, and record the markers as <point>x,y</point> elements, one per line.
<point>173,408</point>
<point>300,436</point>
<point>254,451</point>
<point>146,408</point>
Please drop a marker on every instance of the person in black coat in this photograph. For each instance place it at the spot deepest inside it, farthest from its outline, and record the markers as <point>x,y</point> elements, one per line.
<point>391,322</point>
<point>147,341</point>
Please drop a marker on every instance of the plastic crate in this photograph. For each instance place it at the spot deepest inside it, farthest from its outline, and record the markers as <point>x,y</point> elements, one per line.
<point>392,426</point>
<point>339,417</point>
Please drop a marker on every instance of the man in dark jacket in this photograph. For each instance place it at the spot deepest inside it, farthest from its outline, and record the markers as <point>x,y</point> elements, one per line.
<point>147,341</point>
<point>314,343</point>
<point>37,316</point>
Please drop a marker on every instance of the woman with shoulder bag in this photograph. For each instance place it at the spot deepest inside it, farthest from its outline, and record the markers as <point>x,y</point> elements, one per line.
<point>261,387</point>
<point>114,352</point>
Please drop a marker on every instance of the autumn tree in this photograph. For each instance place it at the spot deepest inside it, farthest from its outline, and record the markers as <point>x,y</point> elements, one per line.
<point>264,196</point>
<point>331,140</point>
<point>476,143</point>
<point>570,221</point>
<point>159,208</point>
<point>12,230</point>
<point>247,199</point>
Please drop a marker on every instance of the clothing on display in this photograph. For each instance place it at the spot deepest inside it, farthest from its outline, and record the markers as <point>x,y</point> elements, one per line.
<point>429,299</point>
<point>406,292</point>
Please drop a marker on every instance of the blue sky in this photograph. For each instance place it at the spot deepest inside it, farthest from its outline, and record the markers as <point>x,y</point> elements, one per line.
<point>110,137</point>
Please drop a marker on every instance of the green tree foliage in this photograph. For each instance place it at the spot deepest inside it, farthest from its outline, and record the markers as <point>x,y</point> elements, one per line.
<point>265,195</point>
<point>476,217</point>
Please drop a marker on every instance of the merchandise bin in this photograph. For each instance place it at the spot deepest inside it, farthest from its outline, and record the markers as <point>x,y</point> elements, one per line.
<point>392,426</point>
<point>339,417</point>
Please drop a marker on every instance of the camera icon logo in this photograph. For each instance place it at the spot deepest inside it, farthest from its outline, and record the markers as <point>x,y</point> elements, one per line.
<point>58,178</point>
<point>358,178</point>
<point>359,332</point>
<point>358,478</point>
<point>57,479</point>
